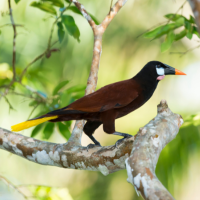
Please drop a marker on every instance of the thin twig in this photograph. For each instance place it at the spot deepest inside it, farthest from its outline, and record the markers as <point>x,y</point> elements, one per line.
<point>14,41</point>
<point>111,5</point>
<point>33,111</point>
<point>33,61</point>
<point>8,24</point>
<point>185,52</point>
<point>12,186</point>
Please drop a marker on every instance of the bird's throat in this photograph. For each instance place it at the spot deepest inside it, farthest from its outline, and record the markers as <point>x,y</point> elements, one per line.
<point>160,77</point>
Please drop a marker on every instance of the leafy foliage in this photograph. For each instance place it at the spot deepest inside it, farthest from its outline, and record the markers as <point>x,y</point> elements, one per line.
<point>61,32</point>
<point>45,6</point>
<point>58,3</point>
<point>71,26</point>
<point>17,1</point>
<point>170,29</point>
<point>174,157</point>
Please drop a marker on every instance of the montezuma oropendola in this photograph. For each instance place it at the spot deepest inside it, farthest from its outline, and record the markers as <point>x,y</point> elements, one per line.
<point>110,102</point>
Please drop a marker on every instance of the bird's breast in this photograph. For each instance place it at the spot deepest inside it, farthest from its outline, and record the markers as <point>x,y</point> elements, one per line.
<point>144,95</point>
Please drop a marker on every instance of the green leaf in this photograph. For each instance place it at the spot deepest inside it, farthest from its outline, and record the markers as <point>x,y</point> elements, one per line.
<point>64,130</point>
<point>192,20</point>
<point>0,32</point>
<point>164,29</point>
<point>48,130</point>
<point>168,41</point>
<point>195,31</point>
<point>59,86</point>
<point>180,35</point>
<point>76,88</point>
<point>58,3</point>
<point>61,32</point>
<point>33,103</point>
<point>77,11</point>
<point>36,130</point>
<point>71,26</point>
<point>45,6</point>
<point>68,1</point>
<point>17,1</point>
<point>189,29</point>
<point>173,17</point>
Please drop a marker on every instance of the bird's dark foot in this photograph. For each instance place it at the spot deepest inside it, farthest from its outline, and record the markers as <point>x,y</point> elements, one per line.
<point>121,140</point>
<point>90,146</point>
<point>96,143</point>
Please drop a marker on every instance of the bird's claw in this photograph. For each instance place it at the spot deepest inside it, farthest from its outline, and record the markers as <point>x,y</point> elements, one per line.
<point>90,146</point>
<point>121,140</point>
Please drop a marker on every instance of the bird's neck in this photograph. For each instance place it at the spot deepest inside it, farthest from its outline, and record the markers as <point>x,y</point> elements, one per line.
<point>146,81</point>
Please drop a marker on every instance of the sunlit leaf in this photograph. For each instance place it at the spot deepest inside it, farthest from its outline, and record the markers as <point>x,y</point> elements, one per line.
<point>61,32</point>
<point>58,3</point>
<point>68,1</point>
<point>195,31</point>
<point>45,6</point>
<point>33,103</point>
<point>192,20</point>
<point>173,17</point>
<point>59,86</point>
<point>180,35</point>
<point>164,29</point>
<point>168,41</point>
<point>189,29</point>
<point>64,130</point>
<point>36,130</point>
<point>17,1</point>
<point>71,26</point>
<point>77,11</point>
<point>48,130</point>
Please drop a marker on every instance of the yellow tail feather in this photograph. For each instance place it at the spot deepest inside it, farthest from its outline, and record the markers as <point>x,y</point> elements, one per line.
<point>28,124</point>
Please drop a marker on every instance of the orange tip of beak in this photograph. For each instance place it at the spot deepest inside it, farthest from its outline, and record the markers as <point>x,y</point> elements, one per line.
<point>178,72</point>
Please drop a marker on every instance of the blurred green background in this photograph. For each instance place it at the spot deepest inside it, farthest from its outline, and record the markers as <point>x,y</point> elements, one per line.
<point>123,55</point>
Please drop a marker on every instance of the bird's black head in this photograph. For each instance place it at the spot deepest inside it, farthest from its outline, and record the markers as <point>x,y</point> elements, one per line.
<point>157,70</point>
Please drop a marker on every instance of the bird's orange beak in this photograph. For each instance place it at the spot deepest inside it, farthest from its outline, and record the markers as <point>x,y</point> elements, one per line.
<point>178,72</point>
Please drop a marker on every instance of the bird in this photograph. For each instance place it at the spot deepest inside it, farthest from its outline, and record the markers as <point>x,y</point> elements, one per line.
<point>110,102</point>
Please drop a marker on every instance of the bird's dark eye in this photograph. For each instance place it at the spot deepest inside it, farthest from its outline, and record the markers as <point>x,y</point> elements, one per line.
<point>158,66</point>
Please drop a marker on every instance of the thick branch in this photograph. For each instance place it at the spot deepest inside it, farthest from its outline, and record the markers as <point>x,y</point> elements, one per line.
<point>195,5</point>
<point>141,150</point>
<point>104,159</point>
<point>147,147</point>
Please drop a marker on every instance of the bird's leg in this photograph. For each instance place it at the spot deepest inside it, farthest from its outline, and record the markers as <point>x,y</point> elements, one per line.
<point>96,143</point>
<point>89,129</point>
<point>125,135</point>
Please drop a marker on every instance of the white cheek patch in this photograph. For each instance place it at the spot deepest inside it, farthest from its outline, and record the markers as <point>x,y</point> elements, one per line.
<point>160,71</point>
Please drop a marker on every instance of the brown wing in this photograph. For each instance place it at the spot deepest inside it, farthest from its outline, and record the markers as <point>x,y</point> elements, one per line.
<point>115,95</point>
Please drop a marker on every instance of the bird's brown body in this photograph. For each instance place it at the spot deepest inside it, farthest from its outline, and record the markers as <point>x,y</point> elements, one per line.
<point>107,104</point>
<point>110,102</point>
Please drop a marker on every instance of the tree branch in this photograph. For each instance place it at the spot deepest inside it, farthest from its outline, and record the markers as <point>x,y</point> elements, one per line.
<point>195,5</point>
<point>147,147</point>
<point>84,13</point>
<point>142,151</point>
<point>14,40</point>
